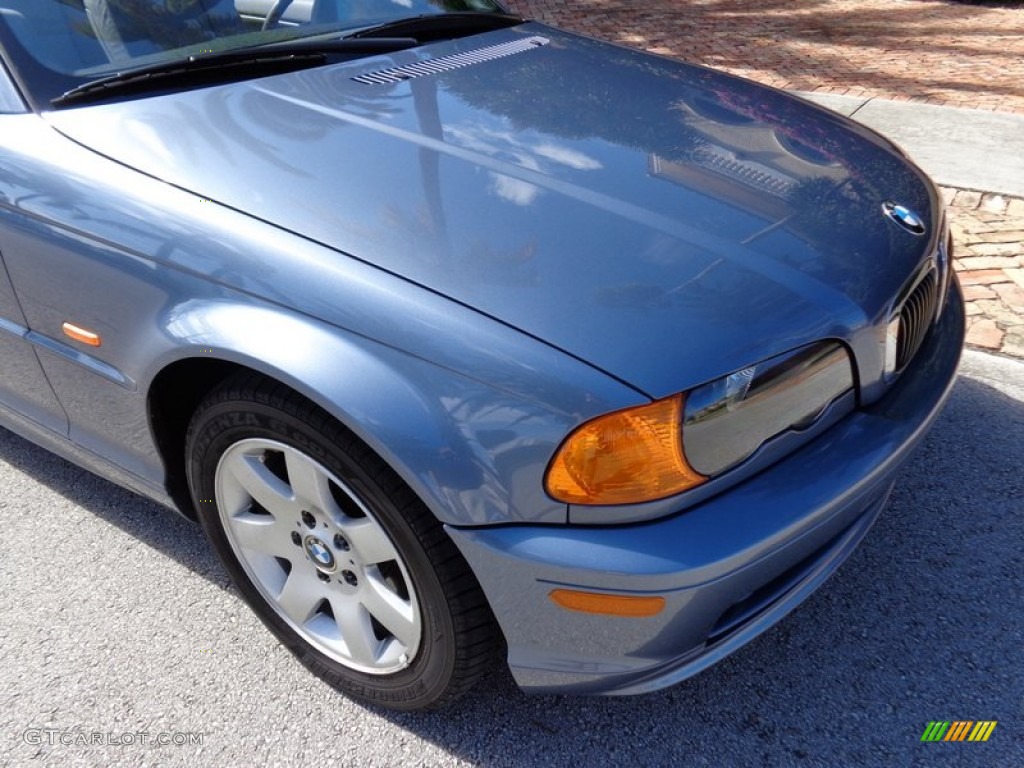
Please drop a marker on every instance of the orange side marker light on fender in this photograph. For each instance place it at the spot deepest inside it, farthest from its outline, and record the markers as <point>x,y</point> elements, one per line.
<point>73,331</point>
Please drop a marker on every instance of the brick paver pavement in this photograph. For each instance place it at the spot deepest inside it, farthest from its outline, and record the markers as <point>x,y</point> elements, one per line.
<point>963,54</point>
<point>988,231</point>
<point>936,51</point>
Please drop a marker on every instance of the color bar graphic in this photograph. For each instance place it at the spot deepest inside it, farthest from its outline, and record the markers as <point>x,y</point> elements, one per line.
<point>958,730</point>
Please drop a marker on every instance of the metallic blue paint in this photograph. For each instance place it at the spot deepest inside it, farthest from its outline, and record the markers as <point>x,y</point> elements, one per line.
<point>462,268</point>
<point>528,189</point>
<point>150,272</point>
<point>789,529</point>
<point>23,387</point>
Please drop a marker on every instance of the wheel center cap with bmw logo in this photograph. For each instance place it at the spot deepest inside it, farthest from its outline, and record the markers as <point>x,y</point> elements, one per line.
<point>904,217</point>
<point>319,553</point>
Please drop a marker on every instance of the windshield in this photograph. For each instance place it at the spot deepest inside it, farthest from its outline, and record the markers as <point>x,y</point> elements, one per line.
<point>56,45</point>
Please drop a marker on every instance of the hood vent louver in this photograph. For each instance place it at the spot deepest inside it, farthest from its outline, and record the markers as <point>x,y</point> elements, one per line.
<point>448,63</point>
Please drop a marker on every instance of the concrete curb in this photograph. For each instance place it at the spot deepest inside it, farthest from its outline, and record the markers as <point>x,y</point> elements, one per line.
<point>1003,373</point>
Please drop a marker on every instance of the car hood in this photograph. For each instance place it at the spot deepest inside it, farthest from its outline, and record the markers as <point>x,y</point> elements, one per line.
<point>665,223</point>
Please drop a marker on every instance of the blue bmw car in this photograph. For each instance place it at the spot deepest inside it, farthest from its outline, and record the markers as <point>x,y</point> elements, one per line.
<point>466,340</point>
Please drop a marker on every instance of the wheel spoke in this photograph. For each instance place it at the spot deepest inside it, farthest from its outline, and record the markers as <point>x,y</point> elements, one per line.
<point>266,488</point>
<point>370,541</point>
<point>396,614</point>
<point>301,595</point>
<point>263,533</point>
<point>356,631</point>
<point>309,483</point>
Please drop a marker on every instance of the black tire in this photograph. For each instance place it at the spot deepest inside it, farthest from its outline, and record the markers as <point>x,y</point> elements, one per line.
<point>458,637</point>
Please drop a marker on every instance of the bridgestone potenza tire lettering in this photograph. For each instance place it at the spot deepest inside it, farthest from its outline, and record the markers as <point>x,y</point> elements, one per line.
<point>334,553</point>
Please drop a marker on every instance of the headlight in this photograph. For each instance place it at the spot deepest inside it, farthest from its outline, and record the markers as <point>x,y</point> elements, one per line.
<point>727,420</point>
<point>662,448</point>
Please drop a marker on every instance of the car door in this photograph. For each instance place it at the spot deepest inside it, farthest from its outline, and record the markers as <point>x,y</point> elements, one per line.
<point>23,386</point>
<point>85,300</point>
<point>25,392</point>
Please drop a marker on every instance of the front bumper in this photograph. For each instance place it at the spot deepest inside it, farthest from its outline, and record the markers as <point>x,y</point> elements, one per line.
<point>728,568</point>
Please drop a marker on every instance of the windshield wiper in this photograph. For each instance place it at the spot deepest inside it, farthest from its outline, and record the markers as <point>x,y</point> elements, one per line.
<point>440,26</point>
<point>224,65</point>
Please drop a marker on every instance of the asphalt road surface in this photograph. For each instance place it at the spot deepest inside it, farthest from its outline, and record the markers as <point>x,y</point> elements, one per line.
<point>116,620</point>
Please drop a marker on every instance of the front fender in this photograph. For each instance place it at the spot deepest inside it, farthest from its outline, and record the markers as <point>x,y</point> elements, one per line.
<point>467,410</point>
<point>473,452</point>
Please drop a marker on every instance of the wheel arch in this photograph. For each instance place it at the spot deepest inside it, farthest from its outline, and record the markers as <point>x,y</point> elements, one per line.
<point>409,412</point>
<point>172,399</point>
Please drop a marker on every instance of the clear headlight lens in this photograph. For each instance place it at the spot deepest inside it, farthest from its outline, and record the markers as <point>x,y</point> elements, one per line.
<point>663,448</point>
<point>729,419</point>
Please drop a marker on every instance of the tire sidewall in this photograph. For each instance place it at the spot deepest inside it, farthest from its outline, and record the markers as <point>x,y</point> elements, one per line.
<point>220,426</point>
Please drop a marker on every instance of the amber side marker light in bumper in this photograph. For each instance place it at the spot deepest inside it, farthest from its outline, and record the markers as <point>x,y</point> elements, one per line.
<point>609,605</point>
<point>81,334</point>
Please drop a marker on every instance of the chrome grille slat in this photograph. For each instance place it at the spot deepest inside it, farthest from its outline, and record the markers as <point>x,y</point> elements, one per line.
<point>448,63</point>
<point>915,318</point>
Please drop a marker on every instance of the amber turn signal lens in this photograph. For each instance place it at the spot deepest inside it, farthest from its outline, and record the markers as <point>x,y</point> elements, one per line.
<point>609,605</point>
<point>83,335</point>
<point>626,457</point>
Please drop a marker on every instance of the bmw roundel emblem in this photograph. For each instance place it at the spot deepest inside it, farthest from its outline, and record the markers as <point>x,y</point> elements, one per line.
<point>904,217</point>
<point>320,554</point>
